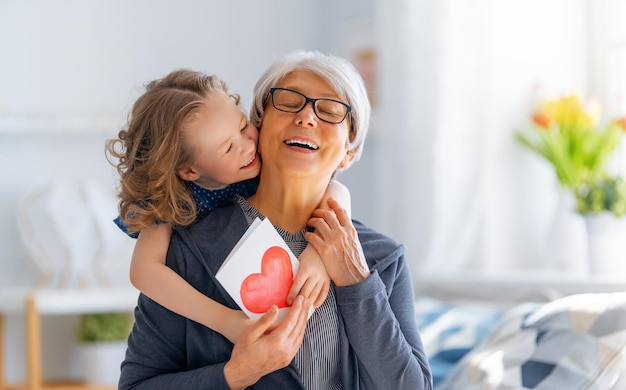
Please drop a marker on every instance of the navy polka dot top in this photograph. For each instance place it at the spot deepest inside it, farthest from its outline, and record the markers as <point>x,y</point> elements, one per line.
<point>207,200</point>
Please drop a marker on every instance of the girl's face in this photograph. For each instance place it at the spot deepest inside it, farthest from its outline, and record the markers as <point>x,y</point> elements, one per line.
<point>223,144</point>
<point>300,143</point>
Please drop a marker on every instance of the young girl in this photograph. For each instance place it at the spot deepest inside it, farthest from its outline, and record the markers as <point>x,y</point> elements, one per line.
<point>187,149</point>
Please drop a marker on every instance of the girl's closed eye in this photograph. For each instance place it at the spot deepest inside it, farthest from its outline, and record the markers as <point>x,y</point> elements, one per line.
<point>242,130</point>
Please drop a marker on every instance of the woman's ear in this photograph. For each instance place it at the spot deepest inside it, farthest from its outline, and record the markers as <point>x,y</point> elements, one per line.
<point>348,159</point>
<point>188,174</point>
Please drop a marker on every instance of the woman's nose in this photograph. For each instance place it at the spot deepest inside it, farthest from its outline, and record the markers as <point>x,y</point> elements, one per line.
<point>306,116</point>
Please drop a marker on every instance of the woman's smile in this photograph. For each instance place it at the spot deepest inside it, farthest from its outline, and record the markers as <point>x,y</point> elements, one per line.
<point>302,143</point>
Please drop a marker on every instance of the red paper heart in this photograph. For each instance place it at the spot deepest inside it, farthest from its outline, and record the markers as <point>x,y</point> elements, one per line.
<point>260,291</point>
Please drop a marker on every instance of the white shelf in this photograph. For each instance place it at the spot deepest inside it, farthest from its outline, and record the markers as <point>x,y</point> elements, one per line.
<point>69,301</point>
<point>76,124</point>
<point>12,299</point>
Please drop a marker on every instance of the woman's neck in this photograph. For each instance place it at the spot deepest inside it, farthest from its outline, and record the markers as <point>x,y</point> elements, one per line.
<point>290,204</point>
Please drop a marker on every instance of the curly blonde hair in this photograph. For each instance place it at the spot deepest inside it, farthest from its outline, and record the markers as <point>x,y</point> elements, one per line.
<point>151,149</point>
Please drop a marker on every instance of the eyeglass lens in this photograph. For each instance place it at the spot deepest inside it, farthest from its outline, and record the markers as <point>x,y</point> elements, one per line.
<point>326,109</point>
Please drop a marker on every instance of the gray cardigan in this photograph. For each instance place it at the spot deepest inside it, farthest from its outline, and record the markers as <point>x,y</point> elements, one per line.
<point>380,344</point>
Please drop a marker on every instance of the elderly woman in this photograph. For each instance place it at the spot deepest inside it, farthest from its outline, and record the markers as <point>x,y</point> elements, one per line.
<point>313,115</point>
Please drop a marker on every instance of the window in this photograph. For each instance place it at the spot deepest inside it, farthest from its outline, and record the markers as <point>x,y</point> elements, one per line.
<point>616,82</point>
<point>607,62</point>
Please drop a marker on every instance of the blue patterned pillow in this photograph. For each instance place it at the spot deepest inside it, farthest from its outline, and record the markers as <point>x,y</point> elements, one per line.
<point>576,342</point>
<point>449,331</point>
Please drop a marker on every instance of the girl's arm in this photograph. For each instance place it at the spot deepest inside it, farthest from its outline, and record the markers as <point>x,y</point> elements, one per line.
<point>150,275</point>
<point>312,280</point>
<point>341,194</point>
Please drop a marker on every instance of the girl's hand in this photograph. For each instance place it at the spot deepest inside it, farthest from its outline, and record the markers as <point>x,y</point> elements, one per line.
<point>311,281</point>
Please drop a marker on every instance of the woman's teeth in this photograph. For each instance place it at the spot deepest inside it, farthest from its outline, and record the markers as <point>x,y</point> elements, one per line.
<point>302,144</point>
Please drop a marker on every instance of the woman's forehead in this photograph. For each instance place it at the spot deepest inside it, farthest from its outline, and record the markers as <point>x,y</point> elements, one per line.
<point>309,83</point>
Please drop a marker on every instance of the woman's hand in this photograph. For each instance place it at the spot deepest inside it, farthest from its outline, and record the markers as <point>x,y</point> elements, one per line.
<point>312,280</point>
<point>265,347</point>
<point>337,242</point>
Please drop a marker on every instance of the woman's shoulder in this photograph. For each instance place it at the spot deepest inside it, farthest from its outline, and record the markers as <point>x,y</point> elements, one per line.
<point>219,219</point>
<point>378,247</point>
<point>218,227</point>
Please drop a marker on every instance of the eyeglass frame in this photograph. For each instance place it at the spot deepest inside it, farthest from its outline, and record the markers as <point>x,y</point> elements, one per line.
<point>306,101</point>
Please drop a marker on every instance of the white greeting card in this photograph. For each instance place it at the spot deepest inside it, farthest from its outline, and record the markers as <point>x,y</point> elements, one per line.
<point>259,271</point>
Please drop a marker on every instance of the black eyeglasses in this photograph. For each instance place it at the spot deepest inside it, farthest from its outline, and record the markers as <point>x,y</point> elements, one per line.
<point>288,100</point>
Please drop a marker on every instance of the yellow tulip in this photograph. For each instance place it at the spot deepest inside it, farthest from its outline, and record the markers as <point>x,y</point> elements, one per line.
<point>566,134</point>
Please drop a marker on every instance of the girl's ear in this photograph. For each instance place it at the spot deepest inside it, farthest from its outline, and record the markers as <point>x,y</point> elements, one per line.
<point>188,174</point>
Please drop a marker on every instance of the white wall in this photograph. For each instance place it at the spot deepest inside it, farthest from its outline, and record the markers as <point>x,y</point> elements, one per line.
<point>71,69</point>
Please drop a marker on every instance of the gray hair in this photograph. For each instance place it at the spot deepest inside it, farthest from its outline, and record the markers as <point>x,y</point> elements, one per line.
<point>338,72</point>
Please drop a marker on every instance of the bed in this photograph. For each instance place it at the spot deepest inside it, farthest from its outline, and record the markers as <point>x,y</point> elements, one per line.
<point>487,337</point>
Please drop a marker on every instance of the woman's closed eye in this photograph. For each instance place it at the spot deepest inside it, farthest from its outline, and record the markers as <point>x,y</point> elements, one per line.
<point>330,112</point>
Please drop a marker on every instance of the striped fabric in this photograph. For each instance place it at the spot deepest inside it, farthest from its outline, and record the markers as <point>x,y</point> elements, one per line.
<point>318,358</point>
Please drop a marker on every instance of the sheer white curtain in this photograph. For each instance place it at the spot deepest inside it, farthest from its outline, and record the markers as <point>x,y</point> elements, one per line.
<point>457,80</point>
